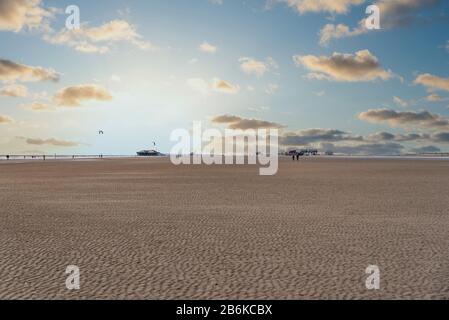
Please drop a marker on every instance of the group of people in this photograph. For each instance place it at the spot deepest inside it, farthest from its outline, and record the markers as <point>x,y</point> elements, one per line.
<point>44,157</point>
<point>24,157</point>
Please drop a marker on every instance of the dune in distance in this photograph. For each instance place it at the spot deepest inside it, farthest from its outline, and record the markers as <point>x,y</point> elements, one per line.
<point>146,229</point>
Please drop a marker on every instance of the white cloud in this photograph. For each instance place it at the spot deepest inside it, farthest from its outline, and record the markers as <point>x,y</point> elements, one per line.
<point>259,109</point>
<point>207,47</point>
<point>43,95</point>
<point>331,6</point>
<point>6,119</point>
<point>393,14</point>
<point>433,82</point>
<point>434,97</point>
<point>362,66</point>
<point>51,141</point>
<point>257,67</point>
<point>14,91</point>
<point>236,122</point>
<point>317,76</point>
<point>424,119</point>
<point>99,39</point>
<point>16,15</point>
<point>38,106</point>
<point>73,96</point>
<point>224,86</point>
<point>11,71</point>
<point>398,101</point>
<point>216,85</point>
<point>332,31</point>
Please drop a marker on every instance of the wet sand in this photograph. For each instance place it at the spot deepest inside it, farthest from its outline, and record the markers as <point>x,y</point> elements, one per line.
<point>145,229</point>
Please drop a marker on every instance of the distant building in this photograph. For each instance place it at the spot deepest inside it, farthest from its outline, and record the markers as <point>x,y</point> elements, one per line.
<point>302,152</point>
<point>308,152</point>
<point>148,153</point>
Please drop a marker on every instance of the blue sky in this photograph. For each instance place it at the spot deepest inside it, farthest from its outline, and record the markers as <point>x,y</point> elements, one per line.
<point>147,74</point>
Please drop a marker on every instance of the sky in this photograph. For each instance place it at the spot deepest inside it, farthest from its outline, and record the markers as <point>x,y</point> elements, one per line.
<point>137,70</point>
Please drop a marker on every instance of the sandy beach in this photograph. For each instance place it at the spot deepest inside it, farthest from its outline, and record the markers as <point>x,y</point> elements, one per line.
<point>145,229</point>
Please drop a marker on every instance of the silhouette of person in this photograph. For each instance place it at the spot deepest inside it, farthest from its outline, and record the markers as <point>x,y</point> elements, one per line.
<point>7,157</point>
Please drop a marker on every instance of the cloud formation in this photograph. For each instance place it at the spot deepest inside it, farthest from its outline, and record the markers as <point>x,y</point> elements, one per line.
<point>337,31</point>
<point>439,137</point>
<point>16,15</point>
<point>362,66</point>
<point>308,136</point>
<point>236,123</point>
<point>207,47</point>
<point>14,91</point>
<point>73,96</point>
<point>386,136</point>
<point>99,39</point>
<point>257,67</point>
<point>215,85</point>
<point>433,82</point>
<point>368,149</point>
<point>330,6</point>
<point>393,14</point>
<point>38,106</point>
<point>402,12</point>
<point>338,141</point>
<point>426,149</point>
<point>342,142</point>
<point>434,97</point>
<point>220,85</point>
<point>398,101</point>
<point>424,119</point>
<point>442,137</point>
<point>51,141</point>
<point>6,119</point>
<point>11,71</point>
